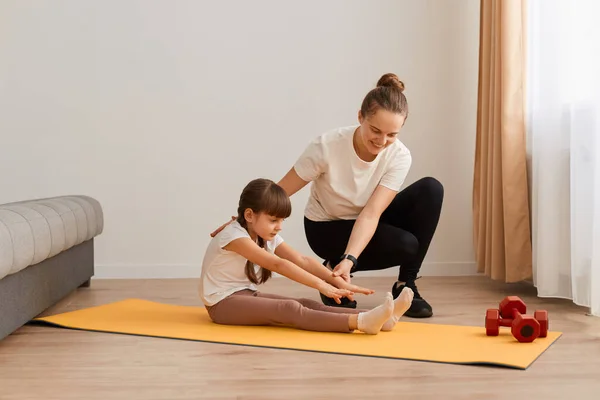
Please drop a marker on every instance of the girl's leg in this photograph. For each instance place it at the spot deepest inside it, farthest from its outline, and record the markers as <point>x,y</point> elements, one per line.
<point>314,305</point>
<point>251,309</point>
<point>401,305</point>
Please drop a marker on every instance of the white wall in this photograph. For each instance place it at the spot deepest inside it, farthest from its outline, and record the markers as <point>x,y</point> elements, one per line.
<point>164,110</point>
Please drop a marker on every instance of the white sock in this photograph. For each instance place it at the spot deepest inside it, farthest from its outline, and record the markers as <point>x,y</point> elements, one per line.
<point>401,305</point>
<point>370,322</point>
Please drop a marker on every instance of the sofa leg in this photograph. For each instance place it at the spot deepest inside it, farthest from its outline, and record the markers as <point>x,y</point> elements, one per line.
<point>86,283</point>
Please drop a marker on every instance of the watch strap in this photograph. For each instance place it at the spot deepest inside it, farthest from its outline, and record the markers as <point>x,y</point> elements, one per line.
<point>351,258</point>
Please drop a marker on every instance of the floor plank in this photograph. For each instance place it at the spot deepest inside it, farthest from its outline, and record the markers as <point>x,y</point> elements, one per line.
<point>40,362</point>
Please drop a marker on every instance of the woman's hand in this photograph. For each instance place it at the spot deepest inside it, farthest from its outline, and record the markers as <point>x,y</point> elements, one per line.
<point>219,229</point>
<point>343,270</point>
<point>335,293</point>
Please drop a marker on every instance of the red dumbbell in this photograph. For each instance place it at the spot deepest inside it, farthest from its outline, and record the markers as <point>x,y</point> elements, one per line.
<point>511,313</point>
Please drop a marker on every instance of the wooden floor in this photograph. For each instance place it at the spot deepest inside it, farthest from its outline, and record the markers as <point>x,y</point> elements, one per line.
<point>50,363</point>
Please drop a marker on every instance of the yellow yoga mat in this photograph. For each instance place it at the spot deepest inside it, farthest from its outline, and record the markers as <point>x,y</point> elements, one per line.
<point>409,340</point>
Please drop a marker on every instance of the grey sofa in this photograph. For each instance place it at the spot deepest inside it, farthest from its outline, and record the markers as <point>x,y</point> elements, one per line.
<point>46,252</point>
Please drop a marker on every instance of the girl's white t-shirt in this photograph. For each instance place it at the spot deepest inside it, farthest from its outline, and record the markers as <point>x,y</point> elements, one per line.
<point>342,183</point>
<point>223,271</point>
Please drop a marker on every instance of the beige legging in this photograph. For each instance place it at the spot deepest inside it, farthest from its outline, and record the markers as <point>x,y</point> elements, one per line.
<point>248,307</point>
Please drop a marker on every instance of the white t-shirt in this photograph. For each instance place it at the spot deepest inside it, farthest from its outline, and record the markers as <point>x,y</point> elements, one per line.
<point>342,183</point>
<point>223,271</point>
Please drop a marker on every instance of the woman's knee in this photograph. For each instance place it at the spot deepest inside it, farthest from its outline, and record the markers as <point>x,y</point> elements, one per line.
<point>392,244</point>
<point>431,188</point>
<point>406,245</point>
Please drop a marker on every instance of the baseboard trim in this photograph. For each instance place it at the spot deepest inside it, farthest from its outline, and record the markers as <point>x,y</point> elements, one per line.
<point>431,269</point>
<point>182,271</point>
<point>147,271</point>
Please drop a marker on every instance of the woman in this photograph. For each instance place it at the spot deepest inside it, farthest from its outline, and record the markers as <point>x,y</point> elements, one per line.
<point>357,217</point>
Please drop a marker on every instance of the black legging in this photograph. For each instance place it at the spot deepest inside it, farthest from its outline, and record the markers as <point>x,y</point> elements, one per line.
<point>402,236</point>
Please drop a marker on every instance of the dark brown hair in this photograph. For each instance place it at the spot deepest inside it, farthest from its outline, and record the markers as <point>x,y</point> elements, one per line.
<point>262,196</point>
<point>388,95</point>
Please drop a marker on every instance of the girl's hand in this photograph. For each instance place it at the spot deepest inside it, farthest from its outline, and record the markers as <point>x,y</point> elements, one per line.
<point>355,288</point>
<point>335,293</point>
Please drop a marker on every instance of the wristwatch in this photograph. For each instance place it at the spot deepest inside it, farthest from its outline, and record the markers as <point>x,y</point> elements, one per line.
<point>351,258</point>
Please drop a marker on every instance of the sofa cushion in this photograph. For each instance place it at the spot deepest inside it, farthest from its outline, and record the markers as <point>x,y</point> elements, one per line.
<point>34,230</point>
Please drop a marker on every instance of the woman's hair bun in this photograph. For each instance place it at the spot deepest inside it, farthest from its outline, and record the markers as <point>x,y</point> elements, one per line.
<point>390,80</point>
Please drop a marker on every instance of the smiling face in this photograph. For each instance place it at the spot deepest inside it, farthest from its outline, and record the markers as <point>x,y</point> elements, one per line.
<point>263,225</point>
<point>376,132</point>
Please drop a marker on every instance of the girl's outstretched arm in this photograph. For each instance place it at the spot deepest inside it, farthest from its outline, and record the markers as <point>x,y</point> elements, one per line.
<point>314,267</point>
<point>251,251</point>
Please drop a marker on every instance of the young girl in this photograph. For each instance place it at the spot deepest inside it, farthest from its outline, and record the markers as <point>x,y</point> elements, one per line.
<point>246,252</point>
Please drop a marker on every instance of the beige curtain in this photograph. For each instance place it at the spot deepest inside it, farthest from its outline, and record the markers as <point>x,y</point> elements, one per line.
<point>500,190</point>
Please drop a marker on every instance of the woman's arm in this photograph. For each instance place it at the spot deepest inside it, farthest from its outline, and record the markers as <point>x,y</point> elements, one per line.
<point>315,268</point>
<point>364,228</point>
<point>251,251</point>
<point>292,182</point>
<point>219,229</point>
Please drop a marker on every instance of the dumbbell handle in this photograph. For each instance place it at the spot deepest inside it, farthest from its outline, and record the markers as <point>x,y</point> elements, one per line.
<point>508,321</point>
